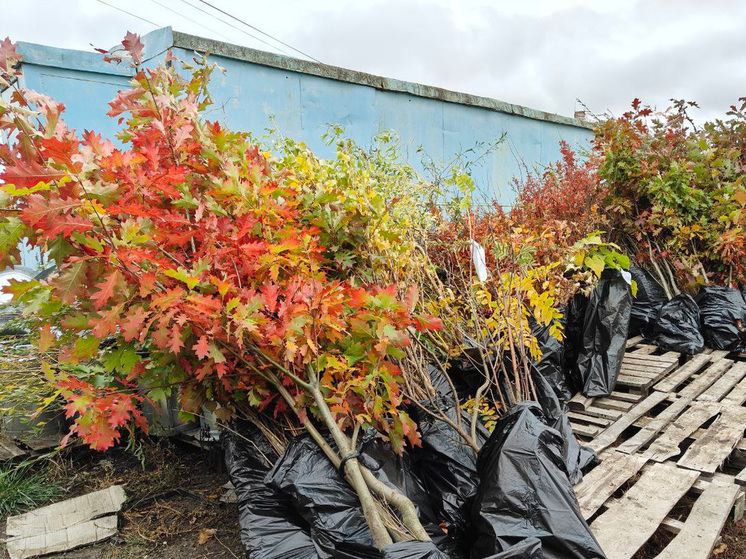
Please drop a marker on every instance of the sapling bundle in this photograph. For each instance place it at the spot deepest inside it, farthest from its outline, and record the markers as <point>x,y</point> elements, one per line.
<point>189,259</point>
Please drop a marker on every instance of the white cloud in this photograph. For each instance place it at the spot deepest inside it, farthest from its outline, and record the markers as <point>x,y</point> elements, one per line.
<point>540,53</point>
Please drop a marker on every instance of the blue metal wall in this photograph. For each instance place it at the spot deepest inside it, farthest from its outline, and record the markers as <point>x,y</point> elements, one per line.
<point>260,91</point>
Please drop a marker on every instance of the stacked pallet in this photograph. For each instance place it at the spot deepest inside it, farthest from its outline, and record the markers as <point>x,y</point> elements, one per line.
<point>669,430</point>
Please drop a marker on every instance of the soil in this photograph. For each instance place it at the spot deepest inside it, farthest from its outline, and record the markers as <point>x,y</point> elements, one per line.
<point>173,502</point>
<point>734,541</point>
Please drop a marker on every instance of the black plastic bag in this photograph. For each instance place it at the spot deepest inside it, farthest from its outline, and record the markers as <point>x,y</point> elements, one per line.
<point>576,458</point>
<point>677,326</point>
<point>414,550</point>
<point>646,304</point>
<point>467,370</point>
<point>723,316</point>
<point>605,330</point>
<point>447,467</point>
<point>552,362</point>
<point>525,493</point>
<point>527,549</point>
<point>575,317</point>
<point>324,500</point>
<point>270,529</point>
<point>321,495</point>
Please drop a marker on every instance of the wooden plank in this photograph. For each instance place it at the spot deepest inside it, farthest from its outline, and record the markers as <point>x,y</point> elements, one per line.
<point>605,413</point>
<point>84,533</point>
<point>666,360</point>
<point>588,431</point>
<point>709,451</point>
<point>640,372</point>
<point>703,482</point>
<point>724,384</point>
<point>602,481</point>
<point>644,349</point>
<point>667,445</point>
<point>624,396</point>
<point>579,402</point>
<point>629,522</point>
<point>632,342</point>
<point>702,527</point>
<point>612,433</point>
<point>737,396</point>
<point>706,379</point>
<point>65,525</point>
<point>650,368</point>
<point>741,477</point>
<point>653,368</point>
<point>43,443</point>
<point>636,383</point>
<point>672,381</point>
<point>612,404</point>
<point>655,426</point>
<point>8,448</point>
<point>581,417</point>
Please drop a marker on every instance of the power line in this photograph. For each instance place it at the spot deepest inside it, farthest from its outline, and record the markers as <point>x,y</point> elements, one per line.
<point>234,27</point>
<point>192,20</point>
<point>260,31</point>
<point>128,13</point>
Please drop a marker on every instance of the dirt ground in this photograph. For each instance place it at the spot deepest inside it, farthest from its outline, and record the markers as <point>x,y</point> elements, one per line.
<point>172,503</point>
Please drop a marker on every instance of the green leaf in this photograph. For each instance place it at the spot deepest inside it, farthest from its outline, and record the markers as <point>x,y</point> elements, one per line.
<point>216,354</point>
<point>595,263</point>
<point>182,275</point>
<point>86,347</point>
<point>158,394</point>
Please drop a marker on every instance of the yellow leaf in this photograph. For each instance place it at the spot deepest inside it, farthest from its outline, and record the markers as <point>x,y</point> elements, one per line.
<point>204,535</point>
<point>595,263</point>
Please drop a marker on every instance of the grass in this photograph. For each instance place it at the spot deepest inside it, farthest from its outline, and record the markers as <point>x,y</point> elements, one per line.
<point>22,489</point>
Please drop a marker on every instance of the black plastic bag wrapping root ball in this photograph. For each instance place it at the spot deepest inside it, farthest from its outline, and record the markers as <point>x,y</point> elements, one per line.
<point>448,468</point>
<point>525,493</point>
<point>527,549</point>
<point>605,334</point>
<point>269,527</point>
<point>414,550</point>
<point>576,458</point>
<point>723,316</point>
<point>552,362</point>
<point>324,500</point>
<point>646,304</point>
<point>677,326</point>
<point>575,317</point>
<point>320,494</point>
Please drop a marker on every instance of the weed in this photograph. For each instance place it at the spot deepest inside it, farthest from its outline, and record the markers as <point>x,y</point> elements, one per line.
<point>21,488</point>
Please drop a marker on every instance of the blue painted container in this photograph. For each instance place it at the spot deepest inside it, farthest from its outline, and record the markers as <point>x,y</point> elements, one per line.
<point>300,99</point>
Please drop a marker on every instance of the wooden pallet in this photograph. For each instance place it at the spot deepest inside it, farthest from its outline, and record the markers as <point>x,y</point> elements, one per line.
<point>681,435</point>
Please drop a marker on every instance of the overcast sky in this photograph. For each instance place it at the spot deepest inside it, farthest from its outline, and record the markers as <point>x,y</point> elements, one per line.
<point>541,53</point>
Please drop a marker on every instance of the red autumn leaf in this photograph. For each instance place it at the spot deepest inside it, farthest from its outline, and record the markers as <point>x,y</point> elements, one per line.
<point>120,413</point>
<point>134,46</point>
<point>28,173</point>
<point>46,338</point>
<point>132,325</point>
<point>102,437</point>
<point>71,282</point>
<point>9,57</point>
<point>427,322</point>
<point>43,212</point>
<point>202,347</point>
<point>175,342</point>
<point>106,290</point>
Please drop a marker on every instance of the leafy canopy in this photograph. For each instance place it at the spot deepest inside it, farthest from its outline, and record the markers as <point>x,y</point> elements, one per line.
<point>191,259</point>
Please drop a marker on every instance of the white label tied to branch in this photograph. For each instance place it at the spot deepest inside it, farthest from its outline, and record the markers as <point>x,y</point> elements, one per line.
<point>480,262</point>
